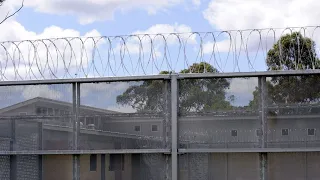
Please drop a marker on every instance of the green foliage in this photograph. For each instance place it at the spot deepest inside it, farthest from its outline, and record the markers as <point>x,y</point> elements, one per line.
<point>195,94</point>
<point>291,52</point>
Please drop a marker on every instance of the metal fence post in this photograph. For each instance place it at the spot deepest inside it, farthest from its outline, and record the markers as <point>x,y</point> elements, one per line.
<point>263,122</point>
<point>40,132</point>
<point>174,126</point>
<point>166,110</point>
<point>76,129</point>
<point>13,158</point>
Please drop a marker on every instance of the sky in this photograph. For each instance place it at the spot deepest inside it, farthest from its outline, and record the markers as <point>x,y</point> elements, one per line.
<point>40,19</point>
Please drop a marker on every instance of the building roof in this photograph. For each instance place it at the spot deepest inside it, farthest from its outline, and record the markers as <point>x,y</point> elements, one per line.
<point>56,102</point>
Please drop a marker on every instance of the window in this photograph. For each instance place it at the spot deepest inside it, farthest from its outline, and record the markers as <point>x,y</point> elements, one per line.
<point>154,128</point>
<point>38,111</point>
<point>311,132</point>
<point>234,133</point>
<point>259,132</point>
<point>137,128</point>
<point>285,132</point>
<point>93,162</point>
<point>56,112</point>
<point>90,120</point>
<point>116,162</point>
<point>44,111</point>
<point>50,111</point>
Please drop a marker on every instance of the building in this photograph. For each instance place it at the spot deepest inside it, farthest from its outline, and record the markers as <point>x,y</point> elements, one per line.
<point>45,124</point>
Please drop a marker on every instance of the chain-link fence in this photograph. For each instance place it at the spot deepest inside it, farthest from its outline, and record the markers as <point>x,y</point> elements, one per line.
<point>238,126</point>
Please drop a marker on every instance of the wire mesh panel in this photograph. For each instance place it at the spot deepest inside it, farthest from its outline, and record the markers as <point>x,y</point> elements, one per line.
<point>37,117</point>
<point>218,113</point>
<point>124,115</point>
<point>27,135</point>
<point>5,167</point>
<point>293,111</point>
<point>221,166</point>
<point>28,167</point>
<point>125,167</point>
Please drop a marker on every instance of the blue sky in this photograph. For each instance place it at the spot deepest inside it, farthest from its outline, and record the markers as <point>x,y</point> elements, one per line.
<point>65,18</point>
<point>122,24</point>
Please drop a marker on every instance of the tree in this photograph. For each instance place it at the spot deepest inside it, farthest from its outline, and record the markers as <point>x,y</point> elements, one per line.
<point>9,15</point>
<point>196,95</point>
<point>291,52</point>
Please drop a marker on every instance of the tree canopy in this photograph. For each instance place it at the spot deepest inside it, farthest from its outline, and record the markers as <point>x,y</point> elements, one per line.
<point>196,95</point>
<point>291,52</point>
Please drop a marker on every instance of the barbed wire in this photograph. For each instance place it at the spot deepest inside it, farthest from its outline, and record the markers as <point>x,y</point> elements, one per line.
<point>145,54</point>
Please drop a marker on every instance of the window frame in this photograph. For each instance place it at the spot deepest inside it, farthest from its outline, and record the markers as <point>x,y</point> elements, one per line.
<point>156,126</point>
<point>135,126</point>
<point>93,162</point>
<point>314,132</point>
<point>236,131</point>
<point>284,130</point>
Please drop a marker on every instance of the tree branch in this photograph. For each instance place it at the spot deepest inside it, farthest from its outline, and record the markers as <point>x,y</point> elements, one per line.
<point>10,15</point>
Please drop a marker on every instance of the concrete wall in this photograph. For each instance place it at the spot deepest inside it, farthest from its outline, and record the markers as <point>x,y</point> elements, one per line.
<point>294,166</point>
<point>218,133</point>
<point>221,166</point>
<point>57,167</point>
<point>129,127</point>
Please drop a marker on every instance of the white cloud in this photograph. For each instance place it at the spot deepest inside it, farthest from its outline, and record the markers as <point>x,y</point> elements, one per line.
<point>156,45</point>
<point>167,36</point>
<point>45,57</point>
<point>107,90</point>
<point>89,11</point>
<point>44,91</point>
<point>259,14</point>
<point>242,89</point>
<point>239,14</point>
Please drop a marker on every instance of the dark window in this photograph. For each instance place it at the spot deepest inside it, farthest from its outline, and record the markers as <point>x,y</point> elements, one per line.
<point>285,132</point>
<point>116,162</point>
<point>56,112</point>
<point>234,133</point>
<point>44,111</point>
<point>311,132</point>
<point>154,128</point>
<point>82,120</point>
<point>90,120</point>
<point>50,111</point>
<point>93,162</point>
<point>137,128</point>
<point>259,132</point>
<point>38,111</point>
